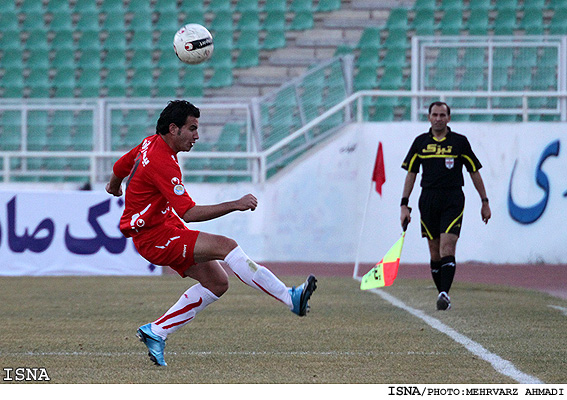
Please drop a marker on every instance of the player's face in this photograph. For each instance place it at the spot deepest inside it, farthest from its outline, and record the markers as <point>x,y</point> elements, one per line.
<point>439,118</point>
<point>186,136</point>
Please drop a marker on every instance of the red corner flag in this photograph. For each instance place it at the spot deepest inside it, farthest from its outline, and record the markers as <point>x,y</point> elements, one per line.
<point>379,174</point>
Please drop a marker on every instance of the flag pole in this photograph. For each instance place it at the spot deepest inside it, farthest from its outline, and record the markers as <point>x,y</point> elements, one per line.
<point>356,261</point>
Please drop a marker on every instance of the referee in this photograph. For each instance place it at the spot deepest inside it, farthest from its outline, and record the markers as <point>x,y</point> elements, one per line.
<point>441,153</point>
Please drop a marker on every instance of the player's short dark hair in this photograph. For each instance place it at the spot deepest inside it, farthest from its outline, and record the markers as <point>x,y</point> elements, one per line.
<point>440,104</point>
<point>176,112</point>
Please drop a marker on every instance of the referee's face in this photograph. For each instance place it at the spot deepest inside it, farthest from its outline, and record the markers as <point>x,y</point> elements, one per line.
<point>439,118</point>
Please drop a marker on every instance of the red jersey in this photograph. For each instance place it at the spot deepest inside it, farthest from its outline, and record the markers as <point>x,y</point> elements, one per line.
<point>153,188</point>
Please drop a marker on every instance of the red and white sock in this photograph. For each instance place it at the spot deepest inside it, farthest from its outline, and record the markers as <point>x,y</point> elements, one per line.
<point>257,276</point>
<point>195,299</point>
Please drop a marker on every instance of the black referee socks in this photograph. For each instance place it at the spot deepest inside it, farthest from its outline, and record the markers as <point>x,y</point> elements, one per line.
<point>436,273</point>
<point>446,273</point>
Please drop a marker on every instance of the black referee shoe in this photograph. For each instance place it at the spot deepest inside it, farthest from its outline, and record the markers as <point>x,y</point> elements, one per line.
<point>443,301</point>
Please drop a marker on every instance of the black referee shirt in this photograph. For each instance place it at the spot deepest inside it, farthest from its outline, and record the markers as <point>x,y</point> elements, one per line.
<point>442,160</point>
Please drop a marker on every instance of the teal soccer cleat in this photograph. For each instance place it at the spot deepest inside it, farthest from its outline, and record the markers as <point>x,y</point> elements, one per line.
<point>300,295</point>
<point>154,343</point>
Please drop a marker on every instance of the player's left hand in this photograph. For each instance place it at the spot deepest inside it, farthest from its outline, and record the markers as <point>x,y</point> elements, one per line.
<point>114,191</point>
<point>485,212</point>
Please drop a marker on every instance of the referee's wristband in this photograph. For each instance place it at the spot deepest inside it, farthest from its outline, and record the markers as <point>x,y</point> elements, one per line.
<point>405,201</point>
<point>485,200</point>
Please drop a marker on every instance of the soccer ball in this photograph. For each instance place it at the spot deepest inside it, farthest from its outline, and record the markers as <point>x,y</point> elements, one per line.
<point>193,44</point>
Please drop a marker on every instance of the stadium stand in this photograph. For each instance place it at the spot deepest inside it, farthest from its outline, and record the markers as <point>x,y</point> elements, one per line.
<point>122,48</point>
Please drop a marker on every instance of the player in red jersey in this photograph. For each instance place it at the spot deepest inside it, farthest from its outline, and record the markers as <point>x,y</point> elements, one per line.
<point>155,198</point>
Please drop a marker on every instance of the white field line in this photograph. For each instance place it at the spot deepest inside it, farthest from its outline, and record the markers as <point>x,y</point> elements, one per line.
<point>499,364</point>
<point>562,309</point>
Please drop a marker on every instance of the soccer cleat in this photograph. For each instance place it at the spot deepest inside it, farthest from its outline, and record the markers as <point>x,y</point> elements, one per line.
<point>443,301</point>
<point>153,342</point>
<point>300,295</point>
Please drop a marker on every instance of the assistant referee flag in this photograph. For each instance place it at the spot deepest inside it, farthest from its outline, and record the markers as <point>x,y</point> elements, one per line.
<point>385,272</point>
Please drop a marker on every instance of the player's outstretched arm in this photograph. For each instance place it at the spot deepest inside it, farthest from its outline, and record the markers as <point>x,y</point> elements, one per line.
<point>206,213</point>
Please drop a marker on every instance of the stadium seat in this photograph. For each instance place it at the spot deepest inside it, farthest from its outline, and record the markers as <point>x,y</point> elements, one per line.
<point>395,58</point>
<point>249,21</point>
<point>368,57</point>
<point>370,38</point>
<point>166,83</point>
<point>505,22</point>
<point>392,78</point>
<point>484,5</point>
<point>112,6</point>
<point>365,79</point>
<point>89,82</point>
<point>275,5</point>
<point>10,130</point>
<point>473,80</point>
<point>141,82</point>
<point>478,22</point>
<point>503,57</point>
<point>424,5</point>
<point>62,40</point>
<point>12,83</point>
<point>526,57</point>
<point>450,6</point>
<point>532,21</point>
<point>508,5</point>
<point>558,23</point>
<point>300,5</point>
<point>302,20</point>
<point>328,5</point>
<point>451,23</point>
<point>274,39</point>
<point>557,5</point>
<point>9,22</point>
<point>115,82</point>
<point>219,5</point>
<point>397,40</point>
<point>475,57</point>
<point>13,61</point>
<point>222,21</point>
<point>424,22</point>
<point>141,21</point>
<point>63,83</point>
<point>61,21</point>
<point>534,4</point>
<point>34,22</point>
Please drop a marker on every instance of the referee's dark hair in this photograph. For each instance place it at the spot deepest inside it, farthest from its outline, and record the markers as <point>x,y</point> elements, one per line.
<point>440,103</point>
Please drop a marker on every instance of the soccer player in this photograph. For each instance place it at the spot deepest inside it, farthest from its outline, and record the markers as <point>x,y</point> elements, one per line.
<point>442,153</point>
<point>155,198</point>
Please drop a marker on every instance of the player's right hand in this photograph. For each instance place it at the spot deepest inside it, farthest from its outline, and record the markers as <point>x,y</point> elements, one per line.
<point>248,202</point>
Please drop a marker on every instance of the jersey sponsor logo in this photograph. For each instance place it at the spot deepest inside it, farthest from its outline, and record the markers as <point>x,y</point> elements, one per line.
<point>145,145</point>
<point>449,163</point>
<point>136,221</point>
<point>437,149</point>
<point>179,189</point>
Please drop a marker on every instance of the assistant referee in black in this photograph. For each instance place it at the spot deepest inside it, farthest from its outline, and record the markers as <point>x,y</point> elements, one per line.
<point>441,153</point>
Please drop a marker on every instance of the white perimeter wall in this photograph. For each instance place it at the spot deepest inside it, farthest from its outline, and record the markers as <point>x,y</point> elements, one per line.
<point>313,210</point>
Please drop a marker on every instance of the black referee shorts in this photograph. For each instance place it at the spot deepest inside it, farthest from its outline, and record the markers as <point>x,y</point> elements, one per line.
<point>441,211</point>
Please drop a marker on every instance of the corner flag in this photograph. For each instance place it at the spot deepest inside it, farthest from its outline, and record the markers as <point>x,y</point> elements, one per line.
<point>379,173</point>
<point>386,271</point>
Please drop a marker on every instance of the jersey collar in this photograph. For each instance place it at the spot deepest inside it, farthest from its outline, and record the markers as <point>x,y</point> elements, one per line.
<point>440,140</point>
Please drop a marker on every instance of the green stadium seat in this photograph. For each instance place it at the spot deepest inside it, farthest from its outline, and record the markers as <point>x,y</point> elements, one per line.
<point>474,79</point>
<point>501,5</point>
<point>139,6</point>
<point>222,77</point>
<point>14,60</point>
<point>114,23</point>
<point>89,58</point>
<point>448,56</point>
<point>89,82</point>
<point>38,122</point>
<point>545,78</point>
<point>548,57</point>
<point>10,40</point>
<point>9,22</point>
<point>88,22</point>
<point>499,78</point>
<point>221,58</point>
<point>300,5</point>
<point>274,39</point>
<point>8,6</point>
<point>193,82</point>
<point>222,21</point>
<point>114,58</point>
<point>141,21</point>
<point>424,22</point>
<point>478,22</point>
<point>61,21</point>
<point>451,23</point>
<point>12,83</point>
<point>368,57</point>
<point>34,22</point>
<point>37,59</point>
<point>343,49</point>
<point>10,130</point>
<point>420,5</point>
<point>365,79</point>
<point>503,57</point>
<point>442,79</point>
<point>532,21</point>
<point>397,40</point>
<point>395,58</point>
<point>54,6</point>
<point>520,79</point>
<point>475,57</point>
<point>63,83</point>
<point>275,5</point>
<point>82,6</point>
<point>219,5</point>
<point>249,21</point>
<point>534,4</point>
<point>167,20</point>
<point>484,5</point>
<point>558,23</point>
<point>141,40</point>
<point>557,5</point>
<point>31,6</point>
<point>63,58</point>
<point>392,79</point>
<point>223,40</point>
<point>370,38</point>
<point>397,20</point>
<point>141,82</point>
<point>247,5</point>
<point>302,20</point>
<point>167,83</point>
<point>450,6</point>
<point>141,58</point>
<point>112,6</point>
<point>505,22</point>
<point>328,5</point>
<point>115,40</point>
<point>526,57</point>
<point>62,40</point>
<point>248,57</point>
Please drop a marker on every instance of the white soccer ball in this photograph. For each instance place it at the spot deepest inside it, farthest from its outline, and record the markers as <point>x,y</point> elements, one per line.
<point>193,44</point>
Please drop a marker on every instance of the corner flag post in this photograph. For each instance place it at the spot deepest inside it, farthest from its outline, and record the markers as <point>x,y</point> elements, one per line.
<point>379,177</point>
